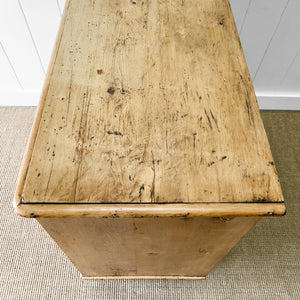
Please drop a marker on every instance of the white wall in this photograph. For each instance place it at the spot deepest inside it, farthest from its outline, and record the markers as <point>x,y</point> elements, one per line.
<point>269,32</point>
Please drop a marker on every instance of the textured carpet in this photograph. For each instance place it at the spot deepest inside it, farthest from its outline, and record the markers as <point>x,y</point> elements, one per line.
<point>264,265</point>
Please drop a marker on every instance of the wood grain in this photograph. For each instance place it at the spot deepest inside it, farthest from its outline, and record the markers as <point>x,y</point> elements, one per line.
<point>149,102</point>
<point>140,210</point>
<point>150,247</point>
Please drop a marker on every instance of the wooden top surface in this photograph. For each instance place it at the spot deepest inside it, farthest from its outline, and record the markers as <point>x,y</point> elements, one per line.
<point>148,102</point>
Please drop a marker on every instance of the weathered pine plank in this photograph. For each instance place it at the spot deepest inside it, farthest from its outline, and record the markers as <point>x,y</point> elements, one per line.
<point>149,101</point>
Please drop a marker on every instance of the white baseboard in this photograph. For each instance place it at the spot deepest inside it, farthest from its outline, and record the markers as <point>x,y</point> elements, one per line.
<point>278,103</point>
<point>31,98</point>
<point>21,98</point>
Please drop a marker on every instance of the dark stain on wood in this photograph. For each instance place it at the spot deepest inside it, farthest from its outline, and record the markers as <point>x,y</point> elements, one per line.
<point>202,251</point>
<point>152,253</point>
<point>260,200</point>
<point>114,132</point>
<point>111,90</point>
<point>142,188</point>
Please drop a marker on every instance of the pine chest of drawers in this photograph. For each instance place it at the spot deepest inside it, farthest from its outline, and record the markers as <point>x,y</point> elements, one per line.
<point>148,156</point>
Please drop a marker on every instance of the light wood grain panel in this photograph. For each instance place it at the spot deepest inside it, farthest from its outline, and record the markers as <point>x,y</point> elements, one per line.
<point>150,102</point>
<point>139,248</point>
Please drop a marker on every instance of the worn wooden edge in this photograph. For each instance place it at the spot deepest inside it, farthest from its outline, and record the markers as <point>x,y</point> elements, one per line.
<point>38,116</point>
<point>138,210</point>
<point>143,277</point>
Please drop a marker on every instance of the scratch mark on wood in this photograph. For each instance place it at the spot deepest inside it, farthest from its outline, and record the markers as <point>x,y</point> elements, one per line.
<point>167,147</point>
<point>186,90</point>
<point>69,96</point>
<point>215,120</point>
<point>152,196</point>
<point>51,171</point>
<point>208,118</point>
<point>194,145</point>
<point>81,137</point>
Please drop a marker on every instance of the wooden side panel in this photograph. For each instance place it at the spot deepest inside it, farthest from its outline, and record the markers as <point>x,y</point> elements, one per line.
<point>146,247</point>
